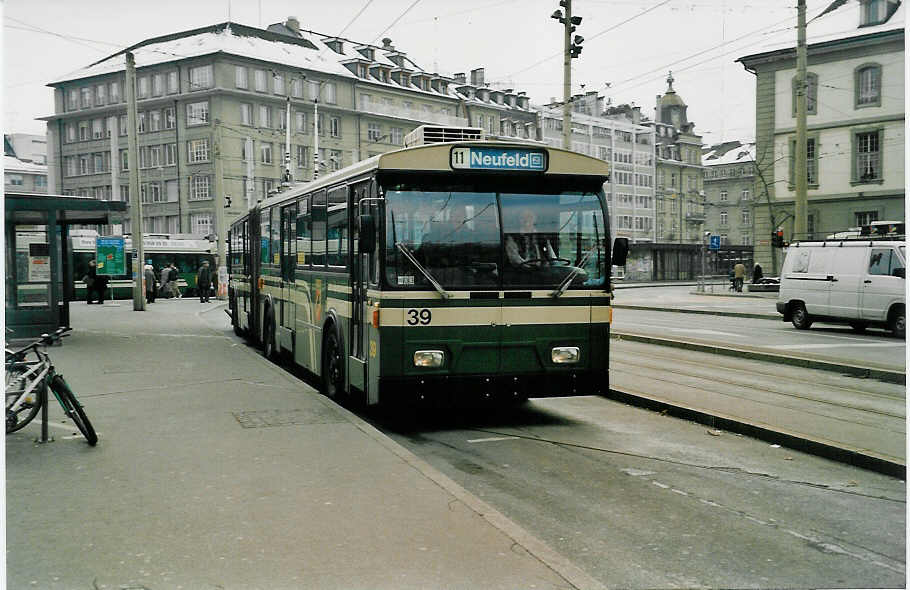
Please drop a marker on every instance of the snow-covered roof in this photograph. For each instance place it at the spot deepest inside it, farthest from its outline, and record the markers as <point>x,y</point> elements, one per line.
<point>15,165</point>
<point>726,153</point>
<point>841,23</point>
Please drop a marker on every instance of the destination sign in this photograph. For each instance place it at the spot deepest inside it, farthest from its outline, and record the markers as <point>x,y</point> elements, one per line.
<point>491,158</point>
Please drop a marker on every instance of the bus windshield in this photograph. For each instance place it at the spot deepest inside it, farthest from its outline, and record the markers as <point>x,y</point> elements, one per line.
<point>468,238</point>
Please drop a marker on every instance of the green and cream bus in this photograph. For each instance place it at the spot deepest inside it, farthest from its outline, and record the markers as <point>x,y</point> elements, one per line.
<point>452,272</point>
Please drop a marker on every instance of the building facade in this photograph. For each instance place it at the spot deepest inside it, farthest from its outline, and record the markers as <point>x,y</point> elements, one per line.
<point>729,192</point>
<point>213,112</point>
<point>616,137</point>
<point>20,176</point>
<point>855,125</point>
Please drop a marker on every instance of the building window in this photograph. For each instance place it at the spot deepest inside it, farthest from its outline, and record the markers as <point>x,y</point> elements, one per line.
<point>72,100</point>
<point>86,96</point>
<point>170,154</point>
<point>99,94</point>
<point>872,12</point>
<point>200,188</point>
<point>811,94</point>
<point>811,162</point>
<point>246,113</point>
<point>201,224</point>
<point>265,153</point>
<point>241,79</point>
<point>16,179</point>
<point>868,84</point>
<point>397,135</point>
<point>335,159</point>
<point>121,123</point>
<point>124,160</point>
<point>142,87</point>
<point>173,82</point>
<point>329,92</point>
<point>723,195</point>
<point>296,88</point>
<point>867,157</point>
<point>334,126</point>
<point>746,195</point>
<point>723,218</point>
<point>197,150</point>
<point>747,240</point>
<point>115,92</point>
<point>155,120</point>
<point>97,128</point>
<point>278,84</point>
<point>745,217</point>
<point>373,132</point>
<point>157,84</point>
<point>265,116</point>
<point>865,217</point>
<point>260,81</point>
<point>150,192</point>
<point>197,113</point>
<point>300,121</point>
<point>303,156</point>
<point>200,77</point>
<point>170,120</point>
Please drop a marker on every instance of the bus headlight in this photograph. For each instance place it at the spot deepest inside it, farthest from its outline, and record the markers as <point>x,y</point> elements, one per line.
<point>428,358</point>
<point>565,354</point>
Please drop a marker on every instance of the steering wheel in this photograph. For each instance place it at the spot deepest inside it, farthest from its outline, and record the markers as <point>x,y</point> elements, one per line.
<point>535,262</point>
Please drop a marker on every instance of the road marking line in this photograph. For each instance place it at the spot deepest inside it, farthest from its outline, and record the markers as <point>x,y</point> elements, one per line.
<point>851,345</point>
<point>492,439</point>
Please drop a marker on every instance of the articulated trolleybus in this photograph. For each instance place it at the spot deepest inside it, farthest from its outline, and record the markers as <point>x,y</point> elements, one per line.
<point>459,271</point>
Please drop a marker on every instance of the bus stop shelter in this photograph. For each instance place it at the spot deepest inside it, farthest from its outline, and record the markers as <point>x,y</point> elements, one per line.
<point>39,274</point>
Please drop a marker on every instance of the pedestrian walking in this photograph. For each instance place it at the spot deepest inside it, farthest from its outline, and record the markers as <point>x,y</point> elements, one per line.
<point>163,281</point>
<point>757,274</point>
<point>204,282</point>
<point>173,281</point>
<point>89,279</point>
<point>150,290</point>
<point>739,274</point>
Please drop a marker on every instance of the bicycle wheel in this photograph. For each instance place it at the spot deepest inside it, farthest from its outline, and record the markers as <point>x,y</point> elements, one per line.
<point>73,409</point>
<point>24,414</point>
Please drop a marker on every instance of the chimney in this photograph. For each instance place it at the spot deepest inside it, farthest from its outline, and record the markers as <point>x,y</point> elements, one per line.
<point>477,77</point>
<point>293,24</point>
<point>636,115</point>
<point>387,44</point>
<point>460,78</point>
<point>600,106</point>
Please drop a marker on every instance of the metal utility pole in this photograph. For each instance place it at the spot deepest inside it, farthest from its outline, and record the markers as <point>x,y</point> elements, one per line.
<point>135,198</point>
<point>220,204</point>
<point>800,226</point>
<point>572,48</point>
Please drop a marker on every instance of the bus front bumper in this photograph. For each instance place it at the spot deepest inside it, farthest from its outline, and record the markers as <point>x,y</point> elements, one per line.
<point>460,390</point>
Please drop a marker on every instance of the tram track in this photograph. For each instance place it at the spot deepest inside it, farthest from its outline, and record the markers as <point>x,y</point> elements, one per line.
<point>746,379</point>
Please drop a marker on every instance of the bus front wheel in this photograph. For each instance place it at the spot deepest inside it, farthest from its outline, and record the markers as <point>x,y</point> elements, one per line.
<point>332,366</point>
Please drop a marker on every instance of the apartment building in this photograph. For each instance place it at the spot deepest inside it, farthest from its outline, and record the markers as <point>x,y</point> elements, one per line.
<point>213,113</point>
<point>616,136</point>
<point>855,123</point>
<point>729,183</point>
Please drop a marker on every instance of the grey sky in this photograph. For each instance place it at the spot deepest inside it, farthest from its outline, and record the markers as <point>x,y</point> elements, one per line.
<point>514,40</point>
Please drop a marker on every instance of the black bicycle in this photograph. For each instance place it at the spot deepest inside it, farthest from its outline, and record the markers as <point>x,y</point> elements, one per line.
<point>27,382</point>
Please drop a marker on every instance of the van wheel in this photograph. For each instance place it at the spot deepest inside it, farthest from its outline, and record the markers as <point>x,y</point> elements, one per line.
<point>859,327</point>
<point>800,317</point>
<point>897,322</point>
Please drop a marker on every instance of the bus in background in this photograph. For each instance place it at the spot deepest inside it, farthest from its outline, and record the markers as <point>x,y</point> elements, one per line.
<point>455,271</point>
<point>186,252</point>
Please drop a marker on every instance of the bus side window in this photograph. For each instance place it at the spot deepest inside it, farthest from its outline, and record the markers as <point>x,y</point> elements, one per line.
<point>276,235</point>
<point>337,231</point>
<point>245,238</point>
<point>264,237</point>
<point>319,221</point>
<point>304,233</point>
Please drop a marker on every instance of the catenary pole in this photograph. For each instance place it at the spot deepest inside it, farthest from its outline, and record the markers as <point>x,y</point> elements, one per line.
<point>567,78</point>
<point>800,227</point>
<point>135,200</point>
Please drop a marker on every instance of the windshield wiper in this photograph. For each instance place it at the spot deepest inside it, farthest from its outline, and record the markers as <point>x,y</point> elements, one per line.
<point>568,280</point>
<point>410,256</point>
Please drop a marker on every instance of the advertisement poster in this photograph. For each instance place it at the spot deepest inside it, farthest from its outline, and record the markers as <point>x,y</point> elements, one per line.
<point>110,256</point>
<point>39,263</point>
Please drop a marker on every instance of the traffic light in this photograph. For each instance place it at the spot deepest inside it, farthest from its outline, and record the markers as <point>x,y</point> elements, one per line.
<point>777,238</point>
<point>575,48</point>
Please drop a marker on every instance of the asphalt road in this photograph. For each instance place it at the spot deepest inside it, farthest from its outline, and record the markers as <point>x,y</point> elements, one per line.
<point>642,500</point>
<point>828,342</point>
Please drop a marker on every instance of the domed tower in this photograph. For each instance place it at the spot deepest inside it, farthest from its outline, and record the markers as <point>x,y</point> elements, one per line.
<point>671,108</point>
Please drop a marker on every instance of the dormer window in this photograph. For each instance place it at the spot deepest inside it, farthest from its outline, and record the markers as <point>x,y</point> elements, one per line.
<point>362,71</point>
<point>367,52</point>
<point>872,12</point>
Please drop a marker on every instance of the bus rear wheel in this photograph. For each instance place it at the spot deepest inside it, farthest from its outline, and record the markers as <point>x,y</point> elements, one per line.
<point>268,338</point>
<point>332,367</point>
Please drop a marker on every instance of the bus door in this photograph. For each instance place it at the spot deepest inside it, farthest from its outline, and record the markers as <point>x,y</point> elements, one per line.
<point>243,301</point>
<point>288,267</point>
<point>258,251</point>
<point>358,336</point>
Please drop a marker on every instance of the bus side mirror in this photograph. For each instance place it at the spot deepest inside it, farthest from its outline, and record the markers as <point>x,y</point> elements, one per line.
<point>620,251</point>
<point>367,236</point>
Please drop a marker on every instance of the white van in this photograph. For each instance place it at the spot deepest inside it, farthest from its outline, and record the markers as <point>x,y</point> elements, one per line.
<point>857,282</point>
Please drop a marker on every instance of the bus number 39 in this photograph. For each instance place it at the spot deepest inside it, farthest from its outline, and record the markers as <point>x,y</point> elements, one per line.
<point>419,316</point>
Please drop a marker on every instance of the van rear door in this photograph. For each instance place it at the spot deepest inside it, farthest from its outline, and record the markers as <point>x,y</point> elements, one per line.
<point>881,286</point>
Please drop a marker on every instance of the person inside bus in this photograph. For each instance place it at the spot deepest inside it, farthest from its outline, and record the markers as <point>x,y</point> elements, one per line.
<point>528,249</point>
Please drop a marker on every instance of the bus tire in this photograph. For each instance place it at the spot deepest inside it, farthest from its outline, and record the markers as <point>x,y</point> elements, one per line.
<point>332,365</point>
<point>268,336</point>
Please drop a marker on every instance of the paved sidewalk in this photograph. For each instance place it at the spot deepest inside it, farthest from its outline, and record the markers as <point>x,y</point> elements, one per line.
<point>682,297</point>
<point>218,469</point>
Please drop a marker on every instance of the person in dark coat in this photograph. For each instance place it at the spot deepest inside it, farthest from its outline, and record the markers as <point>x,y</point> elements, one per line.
<point>150,290</point>
<point>756,274</point>
<point>204,282</point>
<point>90,278</point>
